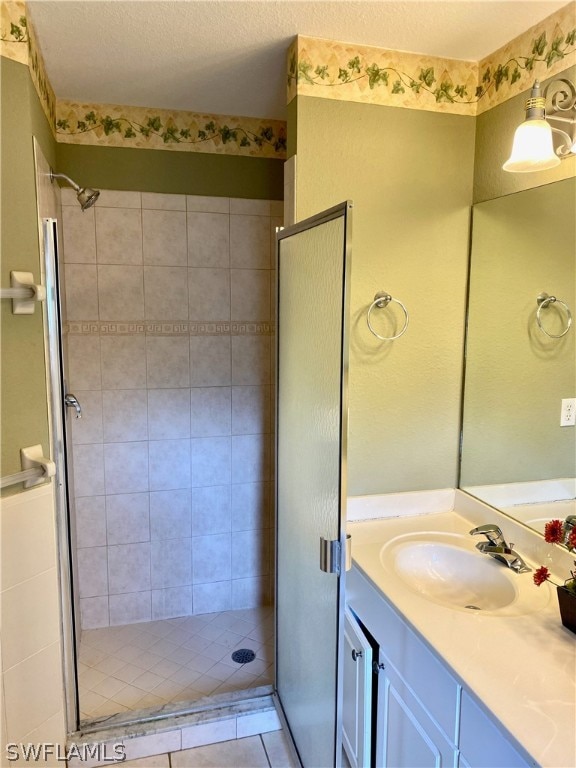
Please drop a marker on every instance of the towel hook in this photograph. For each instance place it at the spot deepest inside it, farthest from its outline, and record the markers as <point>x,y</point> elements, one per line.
<point>381,300</point>
<point>544,301</point>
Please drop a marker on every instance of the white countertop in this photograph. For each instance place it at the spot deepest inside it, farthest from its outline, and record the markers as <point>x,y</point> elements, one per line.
<point>522,668</point>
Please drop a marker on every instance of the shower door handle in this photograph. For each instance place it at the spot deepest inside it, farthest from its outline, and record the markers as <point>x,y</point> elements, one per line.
<point>70,401</point>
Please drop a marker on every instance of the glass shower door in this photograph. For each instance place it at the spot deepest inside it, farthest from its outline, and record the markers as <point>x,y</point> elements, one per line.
<point>313,285</point>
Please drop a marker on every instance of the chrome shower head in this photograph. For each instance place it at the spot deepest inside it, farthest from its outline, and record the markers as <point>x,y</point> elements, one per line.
<point>86,196</point>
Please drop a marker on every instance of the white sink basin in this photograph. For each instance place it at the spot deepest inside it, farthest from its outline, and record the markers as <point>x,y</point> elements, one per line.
<point>538,523</point>
<point>447,569</point>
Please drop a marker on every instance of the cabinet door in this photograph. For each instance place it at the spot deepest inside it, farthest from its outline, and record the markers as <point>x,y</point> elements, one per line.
<point>423,672</point>
<point>406,736</point>
<point>357,704</point>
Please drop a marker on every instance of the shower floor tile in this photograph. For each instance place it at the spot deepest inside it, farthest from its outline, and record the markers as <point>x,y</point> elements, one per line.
<point>173,660</point>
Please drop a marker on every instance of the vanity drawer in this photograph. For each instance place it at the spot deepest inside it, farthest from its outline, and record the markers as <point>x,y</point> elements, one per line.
<point>426,676</point>
<point>482,742</point>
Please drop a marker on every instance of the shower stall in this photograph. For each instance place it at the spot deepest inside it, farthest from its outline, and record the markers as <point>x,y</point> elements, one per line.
<point>164,418</point>
<point>167,338</point>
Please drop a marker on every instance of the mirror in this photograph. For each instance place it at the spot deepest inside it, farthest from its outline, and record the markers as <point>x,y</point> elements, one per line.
<point>515,454</point>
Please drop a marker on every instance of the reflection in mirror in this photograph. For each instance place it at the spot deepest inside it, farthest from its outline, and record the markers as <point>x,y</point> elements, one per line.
<point>515,454</point>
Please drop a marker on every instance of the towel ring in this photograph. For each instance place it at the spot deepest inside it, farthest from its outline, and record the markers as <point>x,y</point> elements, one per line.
<point>544,302</point>
<point>381,300</point>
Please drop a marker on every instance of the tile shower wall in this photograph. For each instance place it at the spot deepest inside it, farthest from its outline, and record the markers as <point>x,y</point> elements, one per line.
<point>168,333</point>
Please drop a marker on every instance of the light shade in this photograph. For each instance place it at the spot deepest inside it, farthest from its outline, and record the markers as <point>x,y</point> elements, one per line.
<point>533,148</point>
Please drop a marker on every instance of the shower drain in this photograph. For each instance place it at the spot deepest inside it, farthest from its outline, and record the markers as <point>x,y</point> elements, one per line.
<point>243,656</point>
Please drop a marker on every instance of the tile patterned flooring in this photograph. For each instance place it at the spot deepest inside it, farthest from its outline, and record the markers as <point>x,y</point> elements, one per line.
<point>172,660</point>
<point>267,750</point>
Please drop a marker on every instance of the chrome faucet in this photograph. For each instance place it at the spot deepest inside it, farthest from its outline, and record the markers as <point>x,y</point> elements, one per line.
<point>496,547</point>
<point>492,533</point>
<point>569,525</point>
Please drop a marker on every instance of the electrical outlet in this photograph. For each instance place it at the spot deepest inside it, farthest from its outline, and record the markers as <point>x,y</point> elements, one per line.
<point>568,412</point>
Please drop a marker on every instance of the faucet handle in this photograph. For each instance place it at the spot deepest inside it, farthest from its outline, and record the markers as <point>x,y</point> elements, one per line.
<point>492,533</point>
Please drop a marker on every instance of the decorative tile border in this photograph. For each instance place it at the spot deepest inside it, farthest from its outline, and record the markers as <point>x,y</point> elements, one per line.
<point>347,72</point>
<point>224,328</point>
<point>113,125</point>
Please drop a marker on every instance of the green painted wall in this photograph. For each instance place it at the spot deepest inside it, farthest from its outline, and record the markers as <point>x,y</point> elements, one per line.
<point>410,175</point>
<point>185,173</point>
<point>494,133</point>
<point>23,378</point>
<point>523,244</point>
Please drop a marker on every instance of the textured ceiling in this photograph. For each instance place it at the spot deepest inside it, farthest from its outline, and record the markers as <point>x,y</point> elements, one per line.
<point>228,56</point>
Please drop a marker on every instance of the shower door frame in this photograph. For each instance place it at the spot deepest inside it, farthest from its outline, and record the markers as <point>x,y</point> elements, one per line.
<point>342,210</point>
<point>56,390</point>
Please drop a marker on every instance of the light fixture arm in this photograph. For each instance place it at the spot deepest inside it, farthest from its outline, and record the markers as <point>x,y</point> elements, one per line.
<point>562,100</point>
<point>560,94</point>
<point>563,149</point>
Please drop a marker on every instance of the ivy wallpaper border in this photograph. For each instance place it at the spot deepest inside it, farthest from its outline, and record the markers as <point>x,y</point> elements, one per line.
<point>18,43</point>
<point>348,72</point>
<point>315,67</point>
<point>345,72</point>
<point>40,78</point>
<point>14,31</point>
<point>148,128</point>
<point>540,52</point>
<point>121,126</point>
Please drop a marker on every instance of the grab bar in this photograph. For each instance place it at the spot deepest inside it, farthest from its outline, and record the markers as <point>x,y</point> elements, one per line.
<point>21,477</point>
<point>16,293</point>
<point>36,468</point>
<point>24,293</point>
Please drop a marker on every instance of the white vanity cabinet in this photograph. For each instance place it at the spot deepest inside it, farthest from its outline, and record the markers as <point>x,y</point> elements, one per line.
<point>425,718</point>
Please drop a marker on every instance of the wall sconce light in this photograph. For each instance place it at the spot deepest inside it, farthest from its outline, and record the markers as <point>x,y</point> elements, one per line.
<point>539,142</point>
